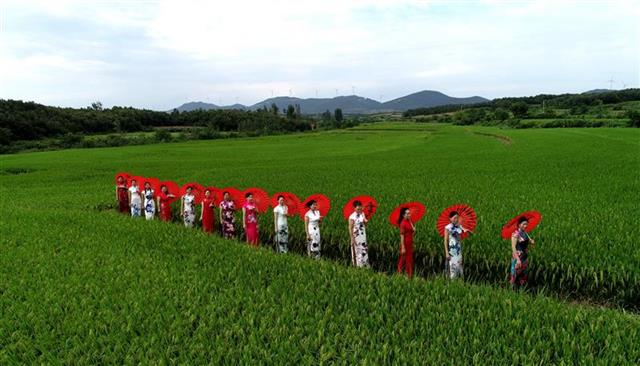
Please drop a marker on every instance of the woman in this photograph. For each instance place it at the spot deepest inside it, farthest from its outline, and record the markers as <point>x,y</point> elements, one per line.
<point>122,195</point>
<point>453,247</point>
<point>250,220</point>
<point>312,220</point>
<point>281,228</point>
<point>520,241</point>
<point>405,262</point>
<point>149,201</point>
<point>187,208</point>
<point>207,213</point>
<point>164,203</point>
<point>135,200</point>
<point>228,216</point>
<point>358,233</point>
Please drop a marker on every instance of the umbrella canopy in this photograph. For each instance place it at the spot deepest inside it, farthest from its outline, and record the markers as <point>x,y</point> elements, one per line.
<point>369,206</point>
<point>417,210</point>
<point>196,189</point>
<point>234,194</point>
<point>152,181</point>
<point>125,176</point>
<point>324,204</point>
<point>172,187</point>
<point>466,218</point>
<point>260,198</point>
<point>215,193</point>
<point>533,217</point>
<point>290,200</point>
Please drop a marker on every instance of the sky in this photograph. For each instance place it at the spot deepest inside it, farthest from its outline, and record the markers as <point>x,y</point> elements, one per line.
<point>160,54</point>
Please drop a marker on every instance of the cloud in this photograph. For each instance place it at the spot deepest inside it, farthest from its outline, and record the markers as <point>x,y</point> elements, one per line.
<point>158,54</point>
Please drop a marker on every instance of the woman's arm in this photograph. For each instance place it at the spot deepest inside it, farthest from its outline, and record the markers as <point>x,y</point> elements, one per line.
<point>275,222</point>
<point>182,206</point>
<point>221,216</point>
<point>202,211</point>
<point>446,244</point>
<point>117,198</point>
<point>402,248</point>
<point>243,217</point>
<point>514,252</point>
<point>306,226</point>
<point>351,231</point>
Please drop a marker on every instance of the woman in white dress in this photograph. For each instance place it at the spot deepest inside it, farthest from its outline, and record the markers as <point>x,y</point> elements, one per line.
<point>281,228</point>
<point>453,247</point>
<point>149,202</point>
<point>135,200</point>
<point>187,208</point>
<point>358,233</point>
<point>312,220</point>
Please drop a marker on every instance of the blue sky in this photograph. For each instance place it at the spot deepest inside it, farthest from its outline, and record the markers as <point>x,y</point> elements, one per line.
<point>160,54</point>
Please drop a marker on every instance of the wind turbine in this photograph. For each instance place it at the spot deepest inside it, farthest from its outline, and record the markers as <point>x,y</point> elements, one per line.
<point>611,83</point>
<point>290,93</point>
<point>353,90</point>
<point>336,92</point>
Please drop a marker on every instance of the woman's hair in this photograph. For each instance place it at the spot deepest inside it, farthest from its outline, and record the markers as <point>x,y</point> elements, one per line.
<point>310,203</point>
<point>522,219</point>
<point>164,186</point>
<point>402,212</point>
<point>357,203</point>
<point>133,180</point>
<point>248,194</point>
<point>452,214</point>
<point>225,192</point>
<point>280,196</point>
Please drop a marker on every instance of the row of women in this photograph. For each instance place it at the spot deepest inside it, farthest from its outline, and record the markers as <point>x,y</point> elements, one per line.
<point>454,224</point>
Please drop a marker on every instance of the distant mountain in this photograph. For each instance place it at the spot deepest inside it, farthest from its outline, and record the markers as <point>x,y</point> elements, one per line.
<point>597,91</point>
<point>351,104</point>
<point>192,106</point>
<point>428,98</point>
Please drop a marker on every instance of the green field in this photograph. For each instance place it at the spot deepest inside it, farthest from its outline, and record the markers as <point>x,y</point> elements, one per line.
<point>82,283</point>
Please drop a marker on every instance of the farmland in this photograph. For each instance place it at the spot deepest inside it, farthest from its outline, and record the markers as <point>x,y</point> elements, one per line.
<point>95,286</point>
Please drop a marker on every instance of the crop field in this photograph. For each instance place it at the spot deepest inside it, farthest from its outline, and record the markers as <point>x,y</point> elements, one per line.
<point>81,283</point>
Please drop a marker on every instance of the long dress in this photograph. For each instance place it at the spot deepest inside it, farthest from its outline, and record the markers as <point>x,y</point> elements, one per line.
<point>136,202</point>
<point>455,268</point>
<point>228,212</point>
<point>359,255</point>
<point>405,262</point>
<point>165,208</point>
<point>314,243</point>
<point>519,273</point>
<point>149,204</point>
<point>207,215</point>
<point>251,223</point>
<point>189,213</point>
<point>282,228</point>
<point>123,199</point>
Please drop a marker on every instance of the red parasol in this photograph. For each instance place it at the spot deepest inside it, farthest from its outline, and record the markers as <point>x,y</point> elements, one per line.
<point>152,181</point>
<point>260,198</point>
<point>290,200</point>
<point>138,180</point>
<point>466,218</point>
<point>417,210</point>
<point>196,190</point>
<point>216,194</point>
<point>124,176</point>
<point>534,218</point>
<point>234,194</point>
<point>172,187</point>
<point>369,206</point>
<point>324,204</point>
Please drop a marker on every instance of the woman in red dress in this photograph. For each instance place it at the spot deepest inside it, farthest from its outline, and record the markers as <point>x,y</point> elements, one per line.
<point>122,195</point>
<point>250,220</point>
<point>164,203</point>
<point>207,214</point>
<point>407,229</point>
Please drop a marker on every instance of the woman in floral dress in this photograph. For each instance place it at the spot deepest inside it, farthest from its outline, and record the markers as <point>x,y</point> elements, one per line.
<point>520,241</point>
<point>281,227</point>
<point>358,233</point>
<point>188,209</point>
<point>135,200</point>
<point>149,202</point>
<point>312,220</point>
<point>228,216</point>
<point>453,247</point>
